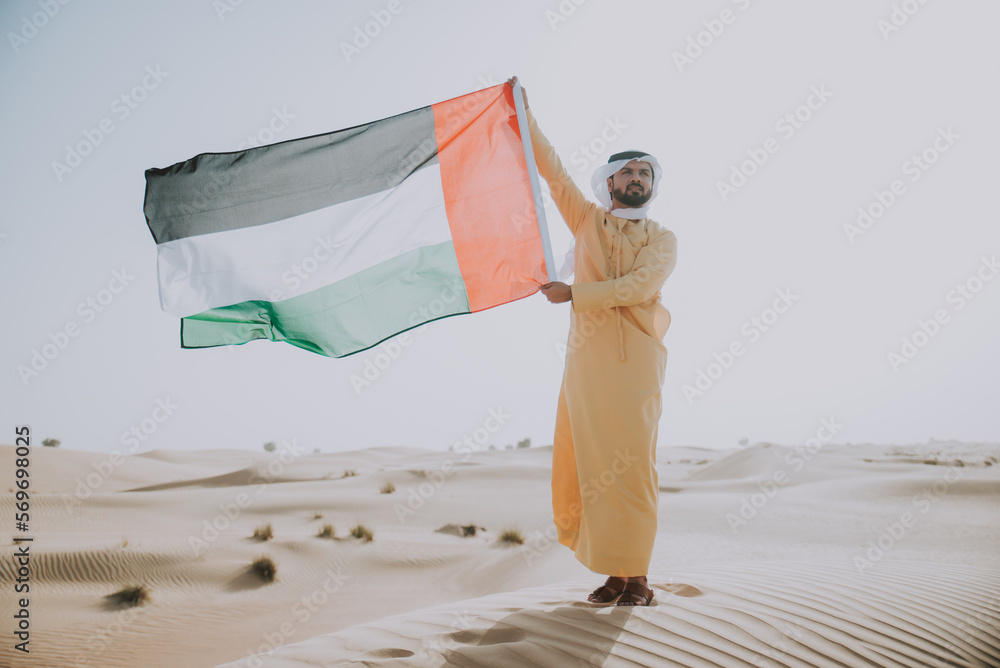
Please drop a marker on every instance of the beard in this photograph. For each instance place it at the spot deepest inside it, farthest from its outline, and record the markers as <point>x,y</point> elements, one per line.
<point>633,197</point>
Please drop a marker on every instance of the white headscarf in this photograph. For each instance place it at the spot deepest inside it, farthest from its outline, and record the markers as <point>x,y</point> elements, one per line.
<point>599,182</point>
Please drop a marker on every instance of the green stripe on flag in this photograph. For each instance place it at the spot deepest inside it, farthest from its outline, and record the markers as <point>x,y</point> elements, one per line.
<point>348,316</point>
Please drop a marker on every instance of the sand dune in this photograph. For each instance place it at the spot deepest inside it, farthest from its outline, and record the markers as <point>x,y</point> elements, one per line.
<point>764,614</point>
<point>767,555</point>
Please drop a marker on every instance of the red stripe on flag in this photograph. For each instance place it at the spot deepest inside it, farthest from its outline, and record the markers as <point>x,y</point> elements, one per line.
<point>488,199</point>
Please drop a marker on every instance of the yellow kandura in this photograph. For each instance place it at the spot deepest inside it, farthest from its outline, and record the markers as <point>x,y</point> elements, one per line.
<point>605,490</point>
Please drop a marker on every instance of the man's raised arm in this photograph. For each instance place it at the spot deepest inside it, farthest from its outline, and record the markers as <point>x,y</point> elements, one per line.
<point>573,206</point>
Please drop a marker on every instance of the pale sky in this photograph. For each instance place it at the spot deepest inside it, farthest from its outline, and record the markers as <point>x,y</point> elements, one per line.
<point>844,104</point>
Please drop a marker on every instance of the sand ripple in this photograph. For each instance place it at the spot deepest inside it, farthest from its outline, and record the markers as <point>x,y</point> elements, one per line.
<point>791,614</point>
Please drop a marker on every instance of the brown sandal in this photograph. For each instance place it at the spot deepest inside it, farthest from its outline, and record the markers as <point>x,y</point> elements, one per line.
<point>606,593</point>
<point>636,594</point>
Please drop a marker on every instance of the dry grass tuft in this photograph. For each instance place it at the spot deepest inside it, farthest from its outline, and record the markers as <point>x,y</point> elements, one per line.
<point>264,568</point>
<point>129,596</point>
<point>363,532</point>
<point>263,532</point>
<point>510,536</point>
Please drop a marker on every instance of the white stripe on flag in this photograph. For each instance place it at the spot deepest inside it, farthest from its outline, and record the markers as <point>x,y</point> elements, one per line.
<point>290,257</point>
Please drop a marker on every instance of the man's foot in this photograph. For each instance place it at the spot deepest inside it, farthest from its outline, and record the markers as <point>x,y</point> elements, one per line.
<point>636,593</point>
<point>609,591</point>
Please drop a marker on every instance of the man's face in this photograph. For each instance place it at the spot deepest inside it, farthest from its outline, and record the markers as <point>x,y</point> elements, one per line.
<point>632,185</point>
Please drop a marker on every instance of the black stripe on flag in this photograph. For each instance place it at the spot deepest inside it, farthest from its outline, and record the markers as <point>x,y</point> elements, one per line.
<point>215,192</point>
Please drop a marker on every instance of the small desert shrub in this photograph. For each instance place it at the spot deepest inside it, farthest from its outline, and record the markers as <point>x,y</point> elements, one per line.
<point>263,532</point>
<point>131,596</point>
<point>388,488</point>
<point>264,568</point>
<point>363,532</point>
<point>348,473</point>
<point>317,516</point>
<point>469,530</point>
<point>51,442</point>
<point>326,531</point>
<point>510,537</point>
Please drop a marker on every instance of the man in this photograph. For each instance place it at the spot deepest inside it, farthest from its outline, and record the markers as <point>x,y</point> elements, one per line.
<point>605,489</point>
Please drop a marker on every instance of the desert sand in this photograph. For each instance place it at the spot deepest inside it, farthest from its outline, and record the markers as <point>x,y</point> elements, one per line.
<point>767,555</point>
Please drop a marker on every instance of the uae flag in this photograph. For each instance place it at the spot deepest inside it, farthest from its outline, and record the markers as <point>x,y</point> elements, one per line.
<point>336,242</point>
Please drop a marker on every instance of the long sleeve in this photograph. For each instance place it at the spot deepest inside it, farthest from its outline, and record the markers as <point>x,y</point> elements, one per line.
<point>573,206</point>
<point>653,264</point>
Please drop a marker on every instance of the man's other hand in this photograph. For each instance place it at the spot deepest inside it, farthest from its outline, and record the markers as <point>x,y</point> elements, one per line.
<point>557,292</point>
